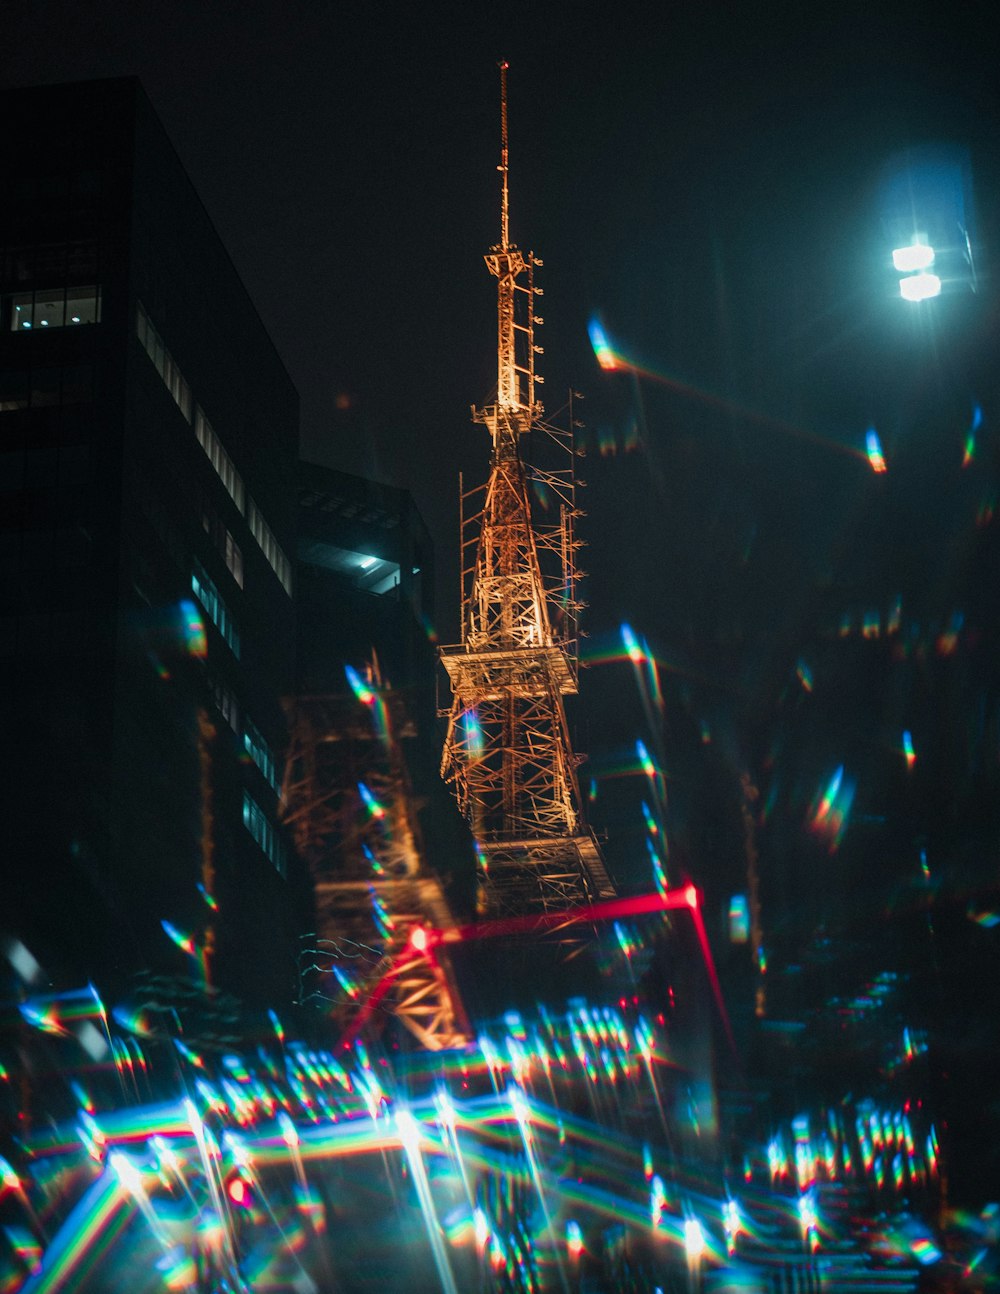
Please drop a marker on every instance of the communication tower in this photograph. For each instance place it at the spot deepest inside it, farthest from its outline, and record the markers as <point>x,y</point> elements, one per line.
<point>347,800</point>
<point>507,753</point>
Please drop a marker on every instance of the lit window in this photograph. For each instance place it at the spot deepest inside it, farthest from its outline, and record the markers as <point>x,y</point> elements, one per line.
<point>269,546</point>
<point>234,558</point>
<point>259,750</point>
<point>53,308</point>
<point>225,469</point>
<point>165,363</point>
<point>208,595</point>
<point>259,826</point>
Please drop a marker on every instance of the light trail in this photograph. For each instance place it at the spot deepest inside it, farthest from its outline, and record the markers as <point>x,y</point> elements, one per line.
<point>612,360</point>
<point>159,1194</point>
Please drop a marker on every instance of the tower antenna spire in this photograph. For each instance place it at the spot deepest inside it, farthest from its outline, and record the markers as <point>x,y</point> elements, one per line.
<point>504,159</point>
<point>516,405</point>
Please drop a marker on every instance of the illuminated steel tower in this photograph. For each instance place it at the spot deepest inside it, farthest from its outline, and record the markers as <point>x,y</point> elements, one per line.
<point>347,799</point>
<point>507,753</point>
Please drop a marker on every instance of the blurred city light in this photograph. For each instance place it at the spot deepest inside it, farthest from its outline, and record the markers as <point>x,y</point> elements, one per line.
<point>694,1240</point>
<point>918,256</point>
<point>927,217</point>
<point>919,287</point>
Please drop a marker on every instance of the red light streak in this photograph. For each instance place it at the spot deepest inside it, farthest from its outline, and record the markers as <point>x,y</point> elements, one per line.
<point>609,910</point>
<point>423,939</point>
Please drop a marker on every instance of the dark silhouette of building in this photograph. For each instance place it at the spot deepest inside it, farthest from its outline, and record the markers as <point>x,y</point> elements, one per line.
<point>365,597</point>
<point>365,581</point>
<point>147,518</point>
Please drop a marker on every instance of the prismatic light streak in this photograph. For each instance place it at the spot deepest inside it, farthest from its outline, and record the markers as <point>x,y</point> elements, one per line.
<point>424,939</point>
<point>85,1236</point>
<point>519,1109</point>
<point>611,359</point>
<point>970,438</point>
<point>368,696</point>
<point>873,448</point>
<point>409,1135</point>
<point>891,1152</point>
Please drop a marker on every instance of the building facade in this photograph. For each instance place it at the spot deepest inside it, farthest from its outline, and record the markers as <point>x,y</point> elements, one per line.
<point>148,441</point>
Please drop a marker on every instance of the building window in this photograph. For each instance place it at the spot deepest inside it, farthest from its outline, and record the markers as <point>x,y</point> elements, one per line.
<point>224,466</point>
<point>257,823</point>
<point>164,362</point>
<point>226,703</point>
<point>78,384</point>
<point>46,386</point>
<point>260,752</point>
<point>14,390</point>
<point>216,453</point>
<point>269,546</point>
<point>223,540</point>
<point>234,558</point>
<point>53,308</point>
<point>208,595</point>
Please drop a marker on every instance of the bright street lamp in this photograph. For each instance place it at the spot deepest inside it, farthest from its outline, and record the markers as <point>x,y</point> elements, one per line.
<point>919,287</point>
<point>918,256</point>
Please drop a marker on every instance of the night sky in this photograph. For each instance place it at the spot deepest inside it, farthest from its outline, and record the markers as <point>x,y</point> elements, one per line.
<point>706,180</point>
<point>702,177</point>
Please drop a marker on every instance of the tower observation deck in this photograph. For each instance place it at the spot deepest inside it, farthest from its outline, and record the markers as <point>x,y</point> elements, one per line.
<point>507,753</point>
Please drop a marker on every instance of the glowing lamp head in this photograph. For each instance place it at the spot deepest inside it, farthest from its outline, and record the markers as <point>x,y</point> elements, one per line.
<point>909,260</point>
<point>691,896</point>
<point>919,287</point>
<point>420,939</point>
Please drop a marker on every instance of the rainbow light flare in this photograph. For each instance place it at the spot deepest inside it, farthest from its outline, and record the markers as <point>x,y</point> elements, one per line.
<point>488,1167</point>
<point>873,448</point>
<point>605,356</point>
<point>184,942</point>
<point>475,741</point>
<point>970,439</point>
<point>193,630</point>
<point>829,817</point>
<point>611,360</point>
<point>359,687</point>
<point>632,649</point>
<point>365,692</point>
<point>375,810</point>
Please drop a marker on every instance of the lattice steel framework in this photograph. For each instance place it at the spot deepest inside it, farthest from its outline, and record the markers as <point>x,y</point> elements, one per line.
<point>507,753</point>
<point>347,799</point>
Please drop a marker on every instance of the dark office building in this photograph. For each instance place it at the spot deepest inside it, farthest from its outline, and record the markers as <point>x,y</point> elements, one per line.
<point>365,580</point>
<point>147,511</point>
<point>364,590</point>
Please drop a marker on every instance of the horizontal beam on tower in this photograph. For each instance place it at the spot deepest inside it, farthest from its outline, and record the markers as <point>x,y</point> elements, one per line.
<point>528,670</point>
